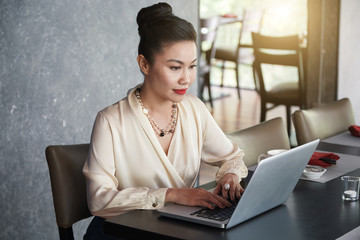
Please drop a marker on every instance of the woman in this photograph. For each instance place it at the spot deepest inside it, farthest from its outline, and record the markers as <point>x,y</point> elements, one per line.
<point>146,149</point>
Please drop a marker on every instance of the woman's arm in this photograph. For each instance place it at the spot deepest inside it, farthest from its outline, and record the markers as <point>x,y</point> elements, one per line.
<point>218,150</point>
<point>105,198</point>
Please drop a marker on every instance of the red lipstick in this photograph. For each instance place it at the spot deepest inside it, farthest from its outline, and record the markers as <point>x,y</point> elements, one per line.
<point>180,91</point>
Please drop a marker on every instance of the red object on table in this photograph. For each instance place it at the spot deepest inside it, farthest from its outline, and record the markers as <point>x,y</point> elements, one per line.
<point>355,130</point>
<point>229,15</point>
<point>315,159</point>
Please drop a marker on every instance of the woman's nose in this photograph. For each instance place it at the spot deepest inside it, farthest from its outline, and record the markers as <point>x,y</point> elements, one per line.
<point>186,78</point>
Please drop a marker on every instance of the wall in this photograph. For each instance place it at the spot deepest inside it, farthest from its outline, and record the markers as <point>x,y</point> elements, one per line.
<point>60,63</point>
<point>349,58</point>
<point>322,52</point>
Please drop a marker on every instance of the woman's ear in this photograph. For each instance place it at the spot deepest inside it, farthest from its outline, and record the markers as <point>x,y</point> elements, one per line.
<point>143,64</point>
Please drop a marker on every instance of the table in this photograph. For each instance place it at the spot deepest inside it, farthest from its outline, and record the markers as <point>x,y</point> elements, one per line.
<point>344,139</point>
<point>345,164</point>
<point>346,146</point>
<point>230,20</point>
<point>313,211</point>
<point>341,143</point>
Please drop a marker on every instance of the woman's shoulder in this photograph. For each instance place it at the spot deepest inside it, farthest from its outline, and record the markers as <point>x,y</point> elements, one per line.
<point>190,99</point>
<point>114,109</point>
<point>120,108</point>
<point>195,103</point>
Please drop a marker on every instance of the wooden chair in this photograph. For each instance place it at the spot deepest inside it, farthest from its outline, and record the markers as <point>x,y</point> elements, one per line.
<point>241,51</point>
<point>68,185</point>
<point>260,138</point>
<point>284,51</point>
<point>323,121</point>
<point>209,28</point>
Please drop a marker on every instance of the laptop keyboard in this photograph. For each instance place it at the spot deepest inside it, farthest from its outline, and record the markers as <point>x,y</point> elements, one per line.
<point>217,214</point>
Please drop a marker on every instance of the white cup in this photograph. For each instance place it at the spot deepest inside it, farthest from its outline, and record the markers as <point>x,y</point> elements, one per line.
<point>270,153</point>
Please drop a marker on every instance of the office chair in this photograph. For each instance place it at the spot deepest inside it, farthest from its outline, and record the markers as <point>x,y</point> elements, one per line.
<point>279,51</point>
<point>261,138</point>
<point>323,121</point>
<point>68,185</point>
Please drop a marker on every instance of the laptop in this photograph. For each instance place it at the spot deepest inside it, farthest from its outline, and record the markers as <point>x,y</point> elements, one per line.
<point>271,185</point>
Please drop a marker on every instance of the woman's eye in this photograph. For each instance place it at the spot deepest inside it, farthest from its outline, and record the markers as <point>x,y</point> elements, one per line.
<point>193,66</point>
<point>174,68</point>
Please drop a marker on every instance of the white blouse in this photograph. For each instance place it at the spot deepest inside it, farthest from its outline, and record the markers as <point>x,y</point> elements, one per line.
<point>127,168</point>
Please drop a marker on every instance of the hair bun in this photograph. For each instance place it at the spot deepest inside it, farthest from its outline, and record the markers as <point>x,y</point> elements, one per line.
<point>155,11</point>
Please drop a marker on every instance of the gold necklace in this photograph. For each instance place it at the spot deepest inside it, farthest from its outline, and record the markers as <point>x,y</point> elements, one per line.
<point>160,131</point>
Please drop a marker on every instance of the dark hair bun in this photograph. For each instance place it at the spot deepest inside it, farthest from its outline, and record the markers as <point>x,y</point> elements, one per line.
<point>156,11</point>
<point>157,26</point>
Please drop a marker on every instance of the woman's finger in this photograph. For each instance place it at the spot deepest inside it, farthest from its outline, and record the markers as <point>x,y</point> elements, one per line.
<point>217,189</point>
<point>220,201</point>
<point>225,192</point>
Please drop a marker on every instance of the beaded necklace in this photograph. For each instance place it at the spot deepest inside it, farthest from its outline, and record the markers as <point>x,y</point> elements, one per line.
<point>161,132</point>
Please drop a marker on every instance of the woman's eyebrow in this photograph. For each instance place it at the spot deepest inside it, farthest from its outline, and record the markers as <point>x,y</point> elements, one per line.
<point>178,61</point>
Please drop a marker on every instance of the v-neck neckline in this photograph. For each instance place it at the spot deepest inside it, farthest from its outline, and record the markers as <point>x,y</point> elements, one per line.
<point>146,125</point>
<point>169,160</point>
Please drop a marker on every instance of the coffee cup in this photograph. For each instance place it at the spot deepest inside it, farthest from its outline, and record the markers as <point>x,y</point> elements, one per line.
<point>270,153</point>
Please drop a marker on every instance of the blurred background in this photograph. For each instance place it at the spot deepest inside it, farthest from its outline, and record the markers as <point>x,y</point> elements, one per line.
<point>281,18</point>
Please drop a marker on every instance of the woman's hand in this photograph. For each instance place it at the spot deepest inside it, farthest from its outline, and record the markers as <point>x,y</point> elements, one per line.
<point>235,190</point>
<point>195,197</point>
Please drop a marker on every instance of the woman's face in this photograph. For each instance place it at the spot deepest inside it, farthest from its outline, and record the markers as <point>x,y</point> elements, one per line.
<point>172,71</point>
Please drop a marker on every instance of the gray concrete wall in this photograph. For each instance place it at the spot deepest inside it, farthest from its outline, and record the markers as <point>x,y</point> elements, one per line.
<point>60,63</point>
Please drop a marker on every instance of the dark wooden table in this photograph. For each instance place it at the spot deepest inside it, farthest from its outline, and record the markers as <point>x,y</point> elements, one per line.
<point>313,211</point>
<point>341,143</point>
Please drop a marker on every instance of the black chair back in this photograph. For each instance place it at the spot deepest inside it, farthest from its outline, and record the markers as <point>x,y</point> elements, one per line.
<point>68,185</point>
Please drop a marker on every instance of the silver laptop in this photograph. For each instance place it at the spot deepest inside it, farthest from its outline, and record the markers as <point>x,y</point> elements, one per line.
<point>271,185</point>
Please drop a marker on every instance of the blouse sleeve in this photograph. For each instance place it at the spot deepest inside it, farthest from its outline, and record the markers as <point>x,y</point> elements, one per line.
<point>218,150</point>
<point>104,197</point>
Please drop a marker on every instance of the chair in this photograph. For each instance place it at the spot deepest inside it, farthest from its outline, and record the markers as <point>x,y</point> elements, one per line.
<point>323,121</point>
<point>68,185</point>
<point>240,52</point>
<point>260,138</point>
<point>207,37</point>
<point>279,51</point>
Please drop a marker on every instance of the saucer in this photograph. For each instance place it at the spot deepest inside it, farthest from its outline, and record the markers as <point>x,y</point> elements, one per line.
<point>313,171</point>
